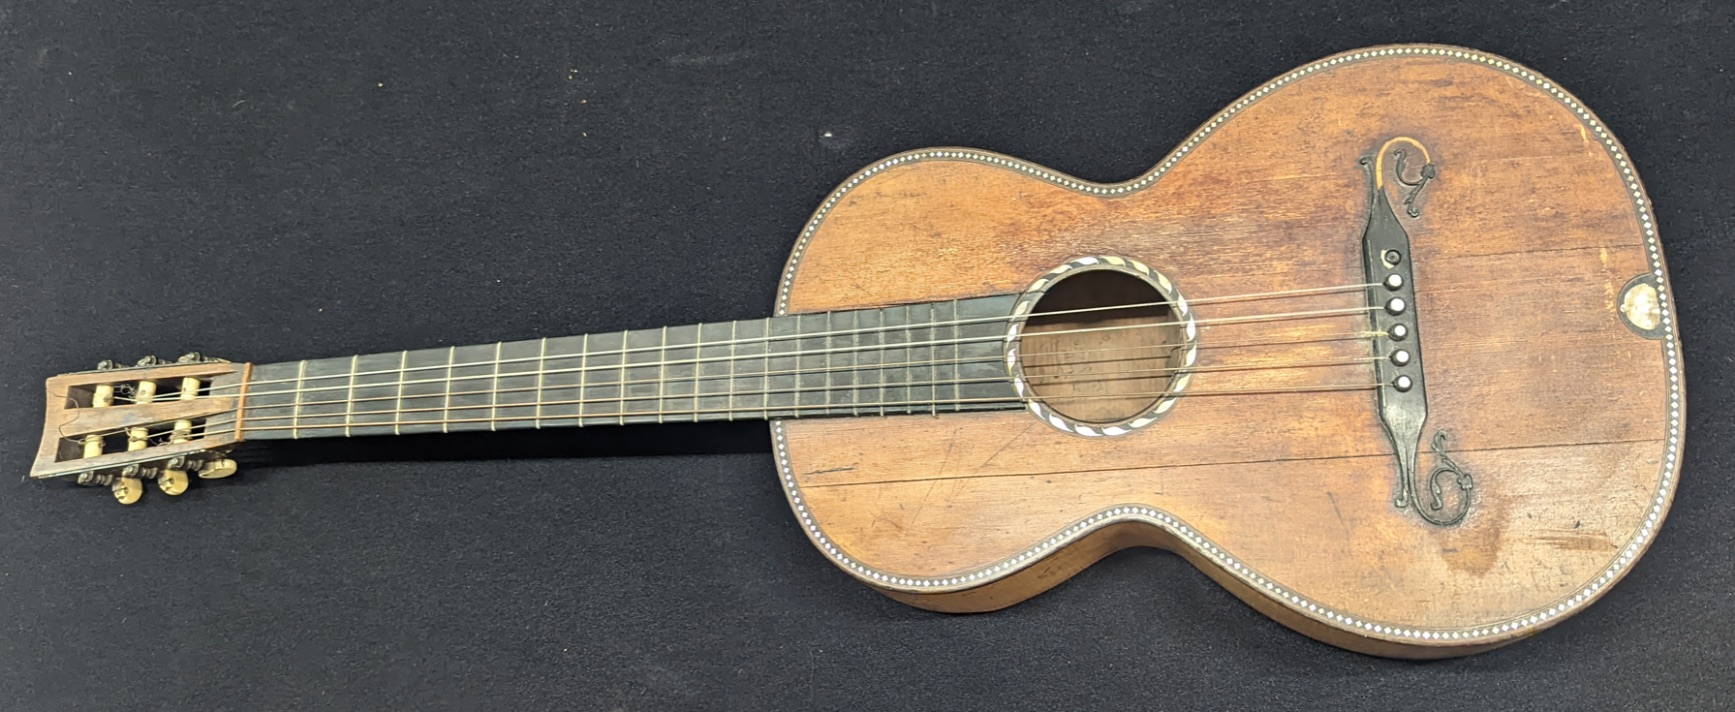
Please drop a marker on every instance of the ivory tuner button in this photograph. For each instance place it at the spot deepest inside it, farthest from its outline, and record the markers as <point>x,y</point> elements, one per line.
<point>173,482</point>
<point>127,490</point>
<point>217,469</point>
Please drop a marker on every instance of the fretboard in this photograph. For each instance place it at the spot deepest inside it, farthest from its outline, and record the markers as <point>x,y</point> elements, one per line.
<point>921,358</point>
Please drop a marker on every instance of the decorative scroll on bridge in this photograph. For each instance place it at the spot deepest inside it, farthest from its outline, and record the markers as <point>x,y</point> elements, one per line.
<point>1403,399</point>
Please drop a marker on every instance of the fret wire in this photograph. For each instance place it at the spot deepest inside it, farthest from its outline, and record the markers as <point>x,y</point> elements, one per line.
<point>583,362</point>
<point>698,350</point>
<point>1314,291</point>
<point>621,412</point>
<point>541,372</point>
<point>349,406</point>
<point>662,372</point>
<point>729,392</point>
<point>295,422</point>
<point>403,360</point>
<point>494,392</point>
<point>446,403</point>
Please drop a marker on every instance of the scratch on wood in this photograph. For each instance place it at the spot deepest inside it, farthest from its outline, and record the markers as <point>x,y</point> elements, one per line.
<point>1573,540</point>
<point>1003,447</point>
<point>950,446</point>
<point>923,504</point>
<point>878,518</point>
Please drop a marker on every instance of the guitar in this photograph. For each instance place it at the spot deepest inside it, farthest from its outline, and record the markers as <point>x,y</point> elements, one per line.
<point>1387,348</point>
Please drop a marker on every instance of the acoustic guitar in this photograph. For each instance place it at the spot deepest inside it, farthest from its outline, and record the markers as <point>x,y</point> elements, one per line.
<point>1386,347</point>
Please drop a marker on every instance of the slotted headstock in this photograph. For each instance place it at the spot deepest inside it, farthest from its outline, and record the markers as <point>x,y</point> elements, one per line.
<point>155,421</point>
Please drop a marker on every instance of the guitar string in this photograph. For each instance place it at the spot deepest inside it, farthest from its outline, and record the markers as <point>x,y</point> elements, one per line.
<point>794,410</point>
<point>496,362</point>
<point>661,365</point>
<point>796,375</point>
<point>957,360</point>
<point>621,399</point>
<point>301,382</point>
<point>1245,343</point>
<point>1315,291</point>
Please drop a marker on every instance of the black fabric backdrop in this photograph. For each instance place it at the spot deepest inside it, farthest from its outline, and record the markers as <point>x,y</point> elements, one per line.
<point>274,180</point>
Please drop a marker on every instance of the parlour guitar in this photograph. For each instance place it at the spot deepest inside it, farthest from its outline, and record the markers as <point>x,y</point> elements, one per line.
<point>1386,347</point>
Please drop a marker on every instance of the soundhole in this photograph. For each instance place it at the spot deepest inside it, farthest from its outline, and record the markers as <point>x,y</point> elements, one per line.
<point>1107,364</point>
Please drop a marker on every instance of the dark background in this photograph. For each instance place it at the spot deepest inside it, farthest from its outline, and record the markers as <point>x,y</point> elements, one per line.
<point>273,180</point>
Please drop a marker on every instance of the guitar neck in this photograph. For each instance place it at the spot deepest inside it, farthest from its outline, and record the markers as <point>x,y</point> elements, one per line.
<point>935,357</point>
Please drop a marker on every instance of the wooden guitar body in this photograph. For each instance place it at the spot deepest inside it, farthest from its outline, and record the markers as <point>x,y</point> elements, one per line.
<point>1553,386</point>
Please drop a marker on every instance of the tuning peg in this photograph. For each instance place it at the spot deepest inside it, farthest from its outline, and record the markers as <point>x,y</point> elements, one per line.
<point>150,360</point>
<point>127,487</point>
<point>173,480</point>
<point>196,357</point>
<point>127,490</point>
<point>107,364</point>
<point>217,469</point>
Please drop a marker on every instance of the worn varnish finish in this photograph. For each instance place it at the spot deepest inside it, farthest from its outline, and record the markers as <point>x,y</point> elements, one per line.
<point>1522,246</point>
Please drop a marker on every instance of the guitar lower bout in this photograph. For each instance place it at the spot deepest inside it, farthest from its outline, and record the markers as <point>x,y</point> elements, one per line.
<point>1273,420</point>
